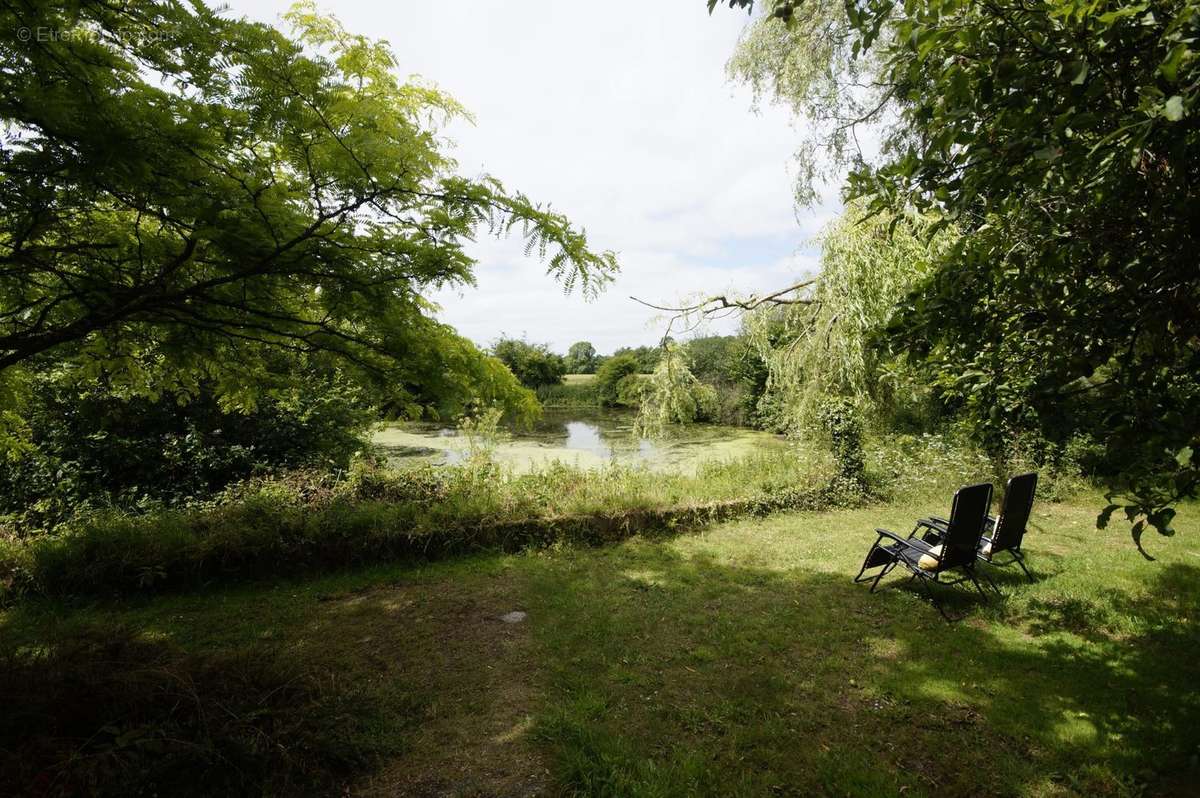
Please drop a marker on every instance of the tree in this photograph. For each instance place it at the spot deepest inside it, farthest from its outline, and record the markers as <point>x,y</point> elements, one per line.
<point>1060,138</point>
<point>183,194</point>
<point>826,347</point>
<point>673,395</point>
<point>612,373</point>
<point>647,357</point>
<point>581,358</point>
<point>713,358</point>
<point>533,364</point>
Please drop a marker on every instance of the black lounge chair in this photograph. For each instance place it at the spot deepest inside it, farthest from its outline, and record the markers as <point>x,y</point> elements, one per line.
<point>1002,533</point>
<point>928,562</point>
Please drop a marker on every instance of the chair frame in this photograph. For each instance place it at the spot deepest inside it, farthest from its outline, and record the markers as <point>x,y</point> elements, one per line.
<point>1014,488</point>
<point>888,557</point>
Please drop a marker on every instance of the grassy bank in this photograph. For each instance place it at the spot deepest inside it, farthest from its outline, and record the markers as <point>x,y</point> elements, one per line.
<point>739,660</point>
<point>307,522</point>
<point>314,521</point>
<point>576,390</point>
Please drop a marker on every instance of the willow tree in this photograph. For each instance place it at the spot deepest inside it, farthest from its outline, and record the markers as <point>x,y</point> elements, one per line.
<point>823,344</point>
<point>182,192</point>
<point>1061,138</point>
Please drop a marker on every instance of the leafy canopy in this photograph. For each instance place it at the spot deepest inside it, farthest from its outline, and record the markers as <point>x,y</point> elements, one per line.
<point>182,194</point>
<point>582,358</point>
<point>1060,138</point>
<point>533,364</point>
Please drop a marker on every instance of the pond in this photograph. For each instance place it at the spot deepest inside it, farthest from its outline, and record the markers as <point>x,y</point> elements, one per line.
<point>582,437</point>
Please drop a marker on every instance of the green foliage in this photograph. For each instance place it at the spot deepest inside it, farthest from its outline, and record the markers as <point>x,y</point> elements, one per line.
<point>714,358</point>
<point>614,371</point>
<point>582,358</point>
<point>311,519</point>
<point>842,423</point>
<point>1066,301</point>
<point>812,65</point>
<point>673,395</point>
<point>1059,139</point>
<point>823,347</point>
<point>185,193</point>
<point>647,356</point>
<point>88,447</point>
<point>577,390</point>
<point>533,364</point>
<point>451,377</point>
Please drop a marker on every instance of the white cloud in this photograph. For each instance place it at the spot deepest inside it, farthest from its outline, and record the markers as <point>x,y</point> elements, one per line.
<point>618,113</point>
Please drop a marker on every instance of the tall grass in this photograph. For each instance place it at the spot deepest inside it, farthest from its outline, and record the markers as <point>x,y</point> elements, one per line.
<point>576,390</point>
<point>311,520</point>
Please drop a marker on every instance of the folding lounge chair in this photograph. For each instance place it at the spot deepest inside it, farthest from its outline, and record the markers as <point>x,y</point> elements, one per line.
<point>927,562</point>
<point>1002,533</point>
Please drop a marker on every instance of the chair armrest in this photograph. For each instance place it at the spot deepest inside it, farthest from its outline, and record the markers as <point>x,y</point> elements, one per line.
<point>937,527</point>
<point>884,533</point>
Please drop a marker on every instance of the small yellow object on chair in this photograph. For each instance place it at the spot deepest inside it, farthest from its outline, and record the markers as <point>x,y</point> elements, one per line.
<point>929,562</point>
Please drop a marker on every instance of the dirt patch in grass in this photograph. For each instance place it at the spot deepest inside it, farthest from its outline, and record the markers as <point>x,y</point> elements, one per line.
<point>472,738</point>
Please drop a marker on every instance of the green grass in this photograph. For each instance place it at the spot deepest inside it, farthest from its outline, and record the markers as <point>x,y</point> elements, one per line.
<point>738,660</point>
<point>308,523</point>
<point>576,390</point>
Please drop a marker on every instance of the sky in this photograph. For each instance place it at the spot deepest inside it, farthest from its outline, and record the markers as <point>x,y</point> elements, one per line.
<point>619,114</point>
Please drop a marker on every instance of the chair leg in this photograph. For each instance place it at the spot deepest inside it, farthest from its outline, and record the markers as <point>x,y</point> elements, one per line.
<point>1021,562</point>
<point>978,586</point>
<point>886,569</point>
<point>991,582</point>
<point>934,600</point>
<point>866,560</point>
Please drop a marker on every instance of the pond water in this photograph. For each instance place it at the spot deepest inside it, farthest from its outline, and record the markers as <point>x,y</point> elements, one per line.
<point>583,437</point>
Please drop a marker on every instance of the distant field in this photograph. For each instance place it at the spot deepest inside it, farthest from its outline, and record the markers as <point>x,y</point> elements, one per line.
<point>576,390</point>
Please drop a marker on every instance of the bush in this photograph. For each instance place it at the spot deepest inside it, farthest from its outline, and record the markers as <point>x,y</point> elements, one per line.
<point>91,448</point>
<point>610,375</point>
<point>841,421</point>
<point>533,364</point>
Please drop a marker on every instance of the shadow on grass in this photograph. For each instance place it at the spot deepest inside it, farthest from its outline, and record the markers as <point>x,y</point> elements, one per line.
<point>676,675</point>
<point>652,671</point>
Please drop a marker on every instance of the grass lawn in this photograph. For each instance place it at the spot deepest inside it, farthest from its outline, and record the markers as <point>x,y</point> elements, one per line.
<point>738,660</point>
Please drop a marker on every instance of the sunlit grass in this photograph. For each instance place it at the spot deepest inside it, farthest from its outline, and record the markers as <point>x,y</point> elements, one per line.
<point>737,660</point>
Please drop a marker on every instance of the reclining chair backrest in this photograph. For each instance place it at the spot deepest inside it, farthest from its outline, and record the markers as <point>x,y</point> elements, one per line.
<point>968,515</point>
<point>1014,513</point>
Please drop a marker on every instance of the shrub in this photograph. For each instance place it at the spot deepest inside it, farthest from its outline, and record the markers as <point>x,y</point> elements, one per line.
<point>611,373</point>
<point>91,448</point>
<point>533,364</point>
<point>841,421</point>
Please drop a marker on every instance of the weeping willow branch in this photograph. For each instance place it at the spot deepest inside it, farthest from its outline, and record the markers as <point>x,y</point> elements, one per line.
<point>721,306</point>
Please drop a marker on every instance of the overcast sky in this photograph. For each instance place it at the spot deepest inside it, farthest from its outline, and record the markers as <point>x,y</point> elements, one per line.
<point>620,114</point>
